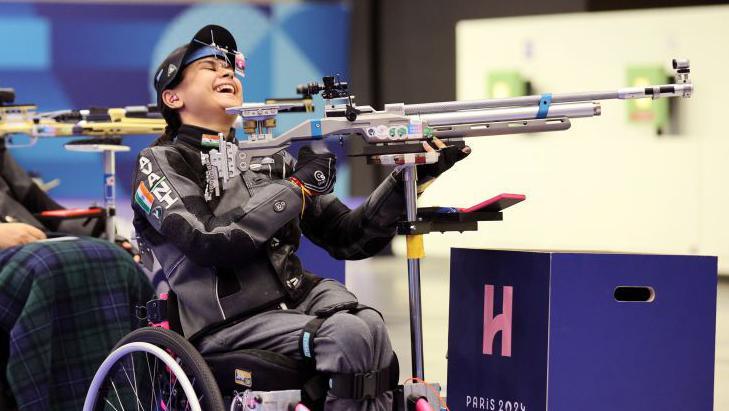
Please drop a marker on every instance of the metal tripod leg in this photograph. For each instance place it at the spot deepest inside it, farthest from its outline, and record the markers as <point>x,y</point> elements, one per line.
<point>416,319</point>
<point>110,193</point>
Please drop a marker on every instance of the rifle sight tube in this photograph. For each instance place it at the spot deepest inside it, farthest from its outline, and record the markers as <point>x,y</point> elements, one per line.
<point>669,90</point>
<point>512,113</point>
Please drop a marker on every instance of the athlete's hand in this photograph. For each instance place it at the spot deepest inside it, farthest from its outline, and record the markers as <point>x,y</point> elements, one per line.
<point>12,234</point>
<point>128,247</point>
<point>449,156</point>
<point>316,172</point>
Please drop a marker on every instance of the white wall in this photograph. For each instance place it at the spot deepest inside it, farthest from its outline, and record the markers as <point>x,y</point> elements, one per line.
<point>605,184</point>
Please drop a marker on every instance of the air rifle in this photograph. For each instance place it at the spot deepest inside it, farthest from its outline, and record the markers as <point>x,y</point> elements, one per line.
<point>104,124</point>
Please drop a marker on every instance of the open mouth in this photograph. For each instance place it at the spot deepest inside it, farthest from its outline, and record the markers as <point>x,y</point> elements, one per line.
<point>225,89</point>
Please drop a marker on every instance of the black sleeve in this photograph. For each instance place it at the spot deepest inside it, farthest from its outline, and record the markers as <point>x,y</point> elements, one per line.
<point>360,233</point>
<point>24,189</point>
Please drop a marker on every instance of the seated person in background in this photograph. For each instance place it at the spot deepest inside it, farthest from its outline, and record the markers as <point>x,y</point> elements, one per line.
<point>63,304</point>
<point>21,201</point>
<point>231,260</point>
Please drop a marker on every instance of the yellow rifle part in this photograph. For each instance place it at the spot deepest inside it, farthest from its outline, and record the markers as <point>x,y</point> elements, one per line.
<point>23,120</point>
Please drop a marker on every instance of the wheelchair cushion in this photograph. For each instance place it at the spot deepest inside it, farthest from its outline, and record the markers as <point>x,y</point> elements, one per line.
<point>258,370</point>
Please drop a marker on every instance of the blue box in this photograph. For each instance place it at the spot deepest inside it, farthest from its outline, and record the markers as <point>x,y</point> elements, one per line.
<point>533,331</point>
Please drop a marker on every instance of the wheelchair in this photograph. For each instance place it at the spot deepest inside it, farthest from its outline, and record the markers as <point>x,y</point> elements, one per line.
<point>156,368</point>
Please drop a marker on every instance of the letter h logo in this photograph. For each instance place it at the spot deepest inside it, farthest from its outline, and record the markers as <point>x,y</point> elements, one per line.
<point>502,322</point>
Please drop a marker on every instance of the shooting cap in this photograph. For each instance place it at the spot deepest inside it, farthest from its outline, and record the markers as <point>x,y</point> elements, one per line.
<point>209,41</point>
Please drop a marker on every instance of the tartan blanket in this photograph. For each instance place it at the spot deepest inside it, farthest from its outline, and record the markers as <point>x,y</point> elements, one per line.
<point>64,305</point>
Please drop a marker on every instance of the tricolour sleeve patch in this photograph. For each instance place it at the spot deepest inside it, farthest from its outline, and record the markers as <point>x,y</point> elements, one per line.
<point>143,197</point>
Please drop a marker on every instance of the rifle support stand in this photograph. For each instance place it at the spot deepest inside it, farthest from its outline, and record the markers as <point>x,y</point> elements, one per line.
<point>419,222</point>
<point>109,151</point>
<point>415,253</point>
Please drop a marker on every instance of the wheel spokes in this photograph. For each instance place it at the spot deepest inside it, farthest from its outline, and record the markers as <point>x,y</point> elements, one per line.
<point>156,388</point>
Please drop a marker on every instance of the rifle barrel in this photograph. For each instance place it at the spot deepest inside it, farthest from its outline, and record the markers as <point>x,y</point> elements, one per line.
<point>665,90</point>
<point>571,110</point>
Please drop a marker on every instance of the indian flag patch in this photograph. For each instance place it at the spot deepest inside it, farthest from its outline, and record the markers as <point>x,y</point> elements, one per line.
<point>143,197</point>
<point>210,140</point>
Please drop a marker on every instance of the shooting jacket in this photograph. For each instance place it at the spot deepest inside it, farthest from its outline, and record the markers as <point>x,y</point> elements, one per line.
<point>234,256</point>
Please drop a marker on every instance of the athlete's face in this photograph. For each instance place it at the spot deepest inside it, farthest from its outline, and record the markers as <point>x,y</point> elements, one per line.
<point>208,87</point>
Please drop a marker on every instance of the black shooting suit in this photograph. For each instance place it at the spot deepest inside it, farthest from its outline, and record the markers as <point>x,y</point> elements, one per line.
<point>234,256</point>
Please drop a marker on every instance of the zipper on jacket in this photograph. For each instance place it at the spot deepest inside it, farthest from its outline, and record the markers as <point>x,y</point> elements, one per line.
<point>217,298</point>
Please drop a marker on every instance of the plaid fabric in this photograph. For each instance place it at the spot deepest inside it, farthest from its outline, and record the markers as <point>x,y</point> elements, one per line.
<point>64,306</point>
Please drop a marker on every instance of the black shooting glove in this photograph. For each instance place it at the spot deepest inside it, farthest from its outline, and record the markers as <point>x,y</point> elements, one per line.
<point>449,156</point>
<point>315,171</point>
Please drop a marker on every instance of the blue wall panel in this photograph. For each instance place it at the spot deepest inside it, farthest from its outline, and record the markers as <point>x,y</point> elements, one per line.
<point>25,43</point>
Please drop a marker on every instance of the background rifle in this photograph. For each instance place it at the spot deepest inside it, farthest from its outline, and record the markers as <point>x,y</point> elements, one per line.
<point>104,123</point>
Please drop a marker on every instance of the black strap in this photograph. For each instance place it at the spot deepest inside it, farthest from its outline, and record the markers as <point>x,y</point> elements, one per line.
<point>306,340</point>
<point>362,307</point>
<point>362,386</point>
<point>173,313</point>
<point>156,311</point>
<point>330,310</point>
<point>314,391</point>
<point>358,386</point>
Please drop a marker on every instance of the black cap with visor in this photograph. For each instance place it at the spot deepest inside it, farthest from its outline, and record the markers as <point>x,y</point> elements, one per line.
<point>209,41</point>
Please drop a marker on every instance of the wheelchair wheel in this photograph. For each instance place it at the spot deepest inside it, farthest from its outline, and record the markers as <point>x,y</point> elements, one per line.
<point>153,369</point>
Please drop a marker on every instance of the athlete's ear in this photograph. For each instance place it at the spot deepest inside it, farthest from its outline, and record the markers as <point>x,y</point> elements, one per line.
<point>171,99</point>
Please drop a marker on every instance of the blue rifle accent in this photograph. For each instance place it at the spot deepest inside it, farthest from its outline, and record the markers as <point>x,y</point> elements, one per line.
<point>316,129</point>
<point>544,104</point>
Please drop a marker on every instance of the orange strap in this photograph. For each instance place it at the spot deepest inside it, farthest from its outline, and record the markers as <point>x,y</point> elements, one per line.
<point>304,193</point>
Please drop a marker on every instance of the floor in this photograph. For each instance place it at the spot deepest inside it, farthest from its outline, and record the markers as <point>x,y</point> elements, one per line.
<point>390,296</point>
